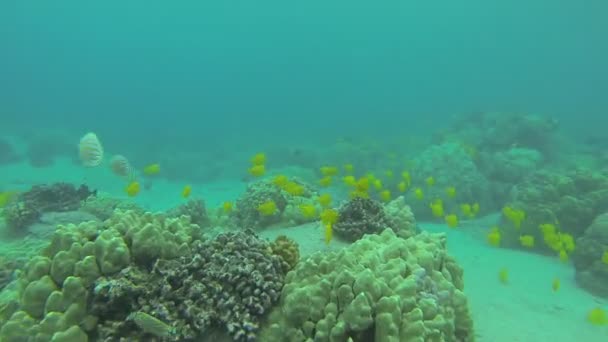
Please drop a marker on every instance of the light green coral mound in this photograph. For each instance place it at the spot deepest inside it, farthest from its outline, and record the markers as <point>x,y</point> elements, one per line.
<point>55,286</point>
<point>382,288</point>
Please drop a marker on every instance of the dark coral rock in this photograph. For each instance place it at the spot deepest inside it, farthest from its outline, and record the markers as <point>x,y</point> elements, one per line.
<point>591,272</point>
<point>360,216</point>
<point>7,153</point>
<point>30,205</point>
<point>195,209</point>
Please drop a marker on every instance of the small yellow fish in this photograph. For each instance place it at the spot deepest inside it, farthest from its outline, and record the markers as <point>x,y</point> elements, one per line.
<point>132,189</point>
<point>402,186</point>
<point>257,170</point>
<point>563,255</point>
<point>267,208</point>
<point>325,181</point>
<point>152,170</point>
<point>597,316</point>
<point>186,192</point>
<point>308,211</point>
<point>475,208</point>
<point>348,168</point>
<point>503,276</point>
<point>6,197</point>
<point>258,159</point>
<point>419,194</point>
<point>389,173</point>
<point>329,233</point>
<point>430,181</point>
<point>350,180</point>
<point>605,258</point>
<point>527,241</point>
<point>385,195</point>
<point>378,184</point>
<point>406,177</point>
<point>329,171</point>
<point>324,200</point>
<point>494,237</point>
<point>294,189</point>
<point>466,210</point>
<point>451,220</point>
<point>227,207</point>
<point>280,181</point>
<point>437,208</point>
<point>450,191</point>
<point>329,216</point>
<point>555,285</point>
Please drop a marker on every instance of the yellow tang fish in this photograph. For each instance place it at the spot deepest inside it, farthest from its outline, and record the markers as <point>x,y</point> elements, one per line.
<point>451,220</point>
<point>257,170</point>
<point>132,189</point>
<point>556,284</point>
<point>267,208</point>
<point>329,232</point>
<point>152,170</point>
<point>186,192</point>
<point>227,207</point>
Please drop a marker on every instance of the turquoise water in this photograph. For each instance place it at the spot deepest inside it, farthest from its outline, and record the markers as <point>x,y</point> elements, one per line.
<point>504,101</point>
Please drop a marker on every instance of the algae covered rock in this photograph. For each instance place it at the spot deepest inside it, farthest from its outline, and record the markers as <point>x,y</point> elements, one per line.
<point>591,269</point>
<point>569,200</point>
<point>450,165</point>
<point>287,194</point>
<point>381,288</point>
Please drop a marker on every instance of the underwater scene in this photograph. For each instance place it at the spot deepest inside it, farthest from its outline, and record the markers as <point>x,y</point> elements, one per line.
<point>318,171</point>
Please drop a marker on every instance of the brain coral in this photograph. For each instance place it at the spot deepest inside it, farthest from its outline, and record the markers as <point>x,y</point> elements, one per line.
<point>381,288</point>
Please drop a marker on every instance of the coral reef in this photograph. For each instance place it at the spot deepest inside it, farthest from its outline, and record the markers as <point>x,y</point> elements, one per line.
<point>401,217</point>
<point>380,288</point>
<point>247,215</point>
<point>103,206</point>
<point>495,131</point>
<point>591,270</point>
<point>195,208</point>
<point>30,205</point>
<point>361,216</point>
<point>8,154</point>
<point>227,284</point>
<point>56,286</point>
<point>571,200</point>
<point>7,270</point>
<point>288,250</point>
<point>449,164</point>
